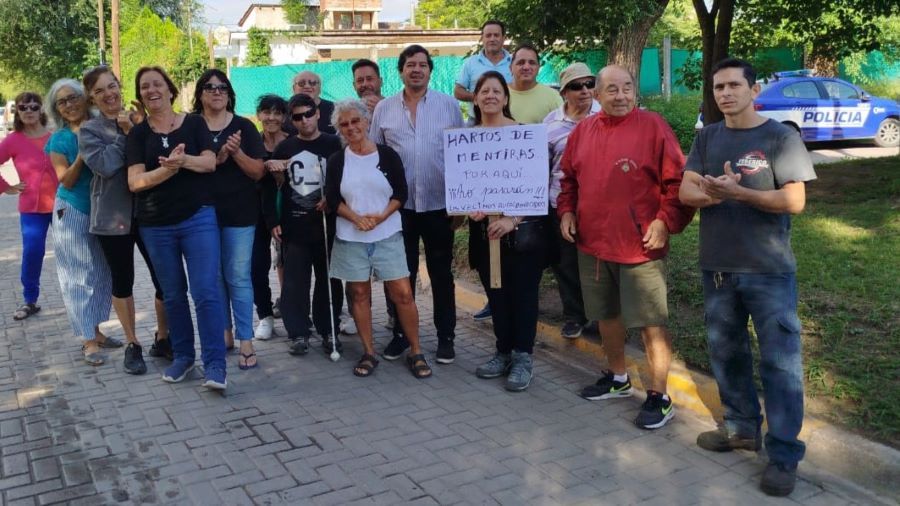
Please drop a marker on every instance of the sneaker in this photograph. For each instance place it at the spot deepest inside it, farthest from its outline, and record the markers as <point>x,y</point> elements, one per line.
<point>179,370</point>
<point>497,366</point>
<point>572,330</point>
<point>483,315</point>
<point>778,479</point>
<point>264,329</point>
<point>655,412</point>
<point>396,347</point>
<point>329,342</point>
<point>445,353</point>
<point>721,441</point>
<point>299,345</point>
<point>276,308</point>
<point>521,371</point>
<point>161,348</point>
<point>607,388</point>
<point>348,327</point>
<point>215,378</point>
<point>134,359</point>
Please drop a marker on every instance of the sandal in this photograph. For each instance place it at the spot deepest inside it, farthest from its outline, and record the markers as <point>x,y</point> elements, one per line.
<point>418,366</point>
<point>110,342</point>
<point>95,359</point>
<point>26,310</point>
<point>366,366</point>
<point>246,358</point>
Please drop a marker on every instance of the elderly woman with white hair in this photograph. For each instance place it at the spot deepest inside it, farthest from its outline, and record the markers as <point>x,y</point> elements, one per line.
<point>84,276</point>
<point>366,185</point>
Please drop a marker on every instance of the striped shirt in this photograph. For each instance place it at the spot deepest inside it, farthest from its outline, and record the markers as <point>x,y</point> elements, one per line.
<point>559,126</point>
<point>420,146</point>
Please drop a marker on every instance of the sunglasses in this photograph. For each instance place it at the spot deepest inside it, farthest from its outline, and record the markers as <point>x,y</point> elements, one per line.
<point>28,107</point>
<point>353,122</point>
<point>589,84</point>
<point>298,116</point>
<point>215,88</point>
<point>70,100</point>
<point>304,82</point>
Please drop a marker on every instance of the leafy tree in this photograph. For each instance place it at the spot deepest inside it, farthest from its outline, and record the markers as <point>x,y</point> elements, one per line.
<point>258,54</point>
<point>447,13</point>
<point>180,12</point>
<point>621,27</point>
<point>715,29</point>
<point>679,22</point>
<point>299,12</point>
<point>191,61</point>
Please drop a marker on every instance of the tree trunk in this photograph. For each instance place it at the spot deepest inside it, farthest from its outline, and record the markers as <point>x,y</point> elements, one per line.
<point>715,29</point>
<point>627,45</point>
<point>823,61</point>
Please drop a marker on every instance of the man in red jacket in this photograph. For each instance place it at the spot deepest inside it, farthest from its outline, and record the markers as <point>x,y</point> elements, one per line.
<point>619,203</point>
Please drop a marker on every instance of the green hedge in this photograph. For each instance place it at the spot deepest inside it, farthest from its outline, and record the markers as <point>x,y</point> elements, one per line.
<point>680,112</point>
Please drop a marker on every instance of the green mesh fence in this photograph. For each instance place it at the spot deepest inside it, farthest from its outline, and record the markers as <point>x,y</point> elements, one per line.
<point>876,67</point>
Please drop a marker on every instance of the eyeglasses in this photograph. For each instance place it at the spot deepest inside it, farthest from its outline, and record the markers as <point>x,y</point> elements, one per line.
<point>352,122</point>
<point>298,116</point>
<point>66,101</point>
<point>589,84</point>
<point>28,107</point>
<point>215,88</point>
<point>305,82</point>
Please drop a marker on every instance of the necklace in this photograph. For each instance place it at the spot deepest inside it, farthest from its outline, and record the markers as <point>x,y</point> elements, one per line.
<point>216,137</point>
<point>165,138</point>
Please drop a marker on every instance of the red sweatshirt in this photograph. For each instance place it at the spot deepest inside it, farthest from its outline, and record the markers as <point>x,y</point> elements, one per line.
<point>619,174</point>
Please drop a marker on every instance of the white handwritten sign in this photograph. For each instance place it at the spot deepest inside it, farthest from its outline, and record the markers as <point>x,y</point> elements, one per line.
<point>497,170</point>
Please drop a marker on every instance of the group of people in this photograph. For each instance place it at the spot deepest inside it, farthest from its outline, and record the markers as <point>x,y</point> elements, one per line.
<point>349,190</point>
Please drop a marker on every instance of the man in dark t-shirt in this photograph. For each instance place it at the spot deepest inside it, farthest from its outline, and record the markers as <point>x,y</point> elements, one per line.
<point>305,230</point>
<point>747,175</point>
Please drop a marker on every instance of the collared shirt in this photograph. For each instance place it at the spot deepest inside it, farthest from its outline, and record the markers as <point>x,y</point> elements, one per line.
<point>420,146</point>
<point>478,64</point>
<point>559,126</point>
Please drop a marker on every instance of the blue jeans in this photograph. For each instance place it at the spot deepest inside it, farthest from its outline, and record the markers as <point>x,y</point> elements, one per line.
<point>196,240</point>
<point>34,244</point>
<point>771,300</point>
<point>234,279</point>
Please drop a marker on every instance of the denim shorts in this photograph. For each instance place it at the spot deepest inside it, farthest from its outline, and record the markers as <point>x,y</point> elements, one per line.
<point>360,261</point>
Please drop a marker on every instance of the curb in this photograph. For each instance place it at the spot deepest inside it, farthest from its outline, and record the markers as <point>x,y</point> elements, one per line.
<point>865,463</point>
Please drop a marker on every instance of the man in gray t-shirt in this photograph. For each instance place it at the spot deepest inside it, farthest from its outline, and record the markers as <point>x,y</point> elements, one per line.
<point>746,174</point>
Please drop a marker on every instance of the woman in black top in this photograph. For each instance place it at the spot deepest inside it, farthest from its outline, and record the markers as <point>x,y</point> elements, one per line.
<point>170,157</point>
<point>514,306</point>
<point>239,165</point>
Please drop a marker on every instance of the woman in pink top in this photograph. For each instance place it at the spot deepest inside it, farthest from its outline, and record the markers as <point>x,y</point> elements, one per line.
<point>36,190</point>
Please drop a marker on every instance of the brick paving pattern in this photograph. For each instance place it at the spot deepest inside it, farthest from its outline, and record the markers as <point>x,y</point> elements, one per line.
<point>304,430</point>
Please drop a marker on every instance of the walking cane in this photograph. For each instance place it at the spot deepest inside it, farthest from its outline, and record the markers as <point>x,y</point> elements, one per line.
<point>335,354</point>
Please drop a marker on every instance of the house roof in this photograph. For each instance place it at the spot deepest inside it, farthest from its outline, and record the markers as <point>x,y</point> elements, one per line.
<point>311,3</point>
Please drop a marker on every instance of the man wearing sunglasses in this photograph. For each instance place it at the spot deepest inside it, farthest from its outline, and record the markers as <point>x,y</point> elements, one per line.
<point>309,83</point>
<point>529,101</point>
<point>577,86</point>
<point>301,160</point>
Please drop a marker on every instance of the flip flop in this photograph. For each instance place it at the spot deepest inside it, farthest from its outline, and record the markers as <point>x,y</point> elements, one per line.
<point>246,357</point>
<point>110,342</point>
<point>94,359</point>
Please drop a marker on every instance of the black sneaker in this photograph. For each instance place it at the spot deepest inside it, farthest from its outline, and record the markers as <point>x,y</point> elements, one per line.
<point>161,348</point>
<point>656,411</point>
<point>607,388</point>
<point>778,479</point>
<point>572,330</point>
<point>395,348</point>
<point>329,342</point>
<point>134,359</point>
<point>483,315</point>
<point>299,345</point>
<point>722,441</point>
<point>445,353</point>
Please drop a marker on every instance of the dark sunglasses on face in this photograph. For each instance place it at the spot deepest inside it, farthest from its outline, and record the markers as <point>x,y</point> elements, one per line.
<point>28,107</point>
<point>213,88</point>
<point>304,82</point>
<point>298,116</point>
<point>589,84</point>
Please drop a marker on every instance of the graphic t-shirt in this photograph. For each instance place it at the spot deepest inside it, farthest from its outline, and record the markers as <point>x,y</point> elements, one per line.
<point>234,192</point>
<point>303,183</point>
<point>737,237</point>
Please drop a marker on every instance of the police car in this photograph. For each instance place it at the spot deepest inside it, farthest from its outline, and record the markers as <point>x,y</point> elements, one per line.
<point>827,108</point>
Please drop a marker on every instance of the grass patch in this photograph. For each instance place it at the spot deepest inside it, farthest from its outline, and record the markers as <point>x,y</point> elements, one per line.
<point>847,244</point>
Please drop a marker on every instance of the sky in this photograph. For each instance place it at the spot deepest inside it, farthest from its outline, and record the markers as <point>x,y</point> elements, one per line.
<point>229,12</point>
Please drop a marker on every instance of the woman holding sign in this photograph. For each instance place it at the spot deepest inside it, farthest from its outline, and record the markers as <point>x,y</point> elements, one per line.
<point>366,184</point>
<point>523,255</point>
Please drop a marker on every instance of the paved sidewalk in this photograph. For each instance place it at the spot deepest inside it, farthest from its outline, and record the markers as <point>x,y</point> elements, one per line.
<point>304,430</point>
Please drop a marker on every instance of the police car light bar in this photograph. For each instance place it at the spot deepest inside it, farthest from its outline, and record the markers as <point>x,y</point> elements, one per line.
<point>794,73</point>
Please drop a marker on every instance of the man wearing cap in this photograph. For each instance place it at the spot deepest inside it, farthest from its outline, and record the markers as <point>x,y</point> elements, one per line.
<point>529,102</point>
<point>621,174</point>
<point>491,57</point>
<point>309,83</point>
<point>577,85</point>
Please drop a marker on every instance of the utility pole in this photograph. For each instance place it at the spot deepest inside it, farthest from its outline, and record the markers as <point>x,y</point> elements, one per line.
<point>102,28</point>
<point>212,52</point>
<point>114,26</point>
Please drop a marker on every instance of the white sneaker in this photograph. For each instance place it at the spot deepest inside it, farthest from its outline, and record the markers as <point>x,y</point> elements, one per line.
<point>264,329</point>
<point>348,327</point>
